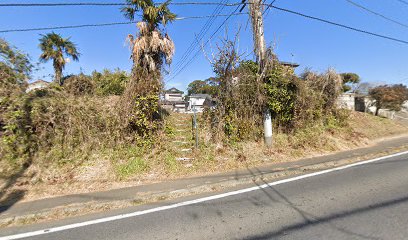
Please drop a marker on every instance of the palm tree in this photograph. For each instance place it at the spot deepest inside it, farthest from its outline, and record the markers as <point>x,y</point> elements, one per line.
<point>151,48</point>
<point>54,47</point>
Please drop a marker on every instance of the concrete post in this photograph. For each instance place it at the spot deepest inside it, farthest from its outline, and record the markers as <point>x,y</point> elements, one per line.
<point>268,128</point>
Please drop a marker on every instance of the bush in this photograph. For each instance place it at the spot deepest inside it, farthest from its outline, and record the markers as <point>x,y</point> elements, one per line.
<point>79,85</point>
<point>389,96</point>
<point>281,90</point>
<point>110,83</point>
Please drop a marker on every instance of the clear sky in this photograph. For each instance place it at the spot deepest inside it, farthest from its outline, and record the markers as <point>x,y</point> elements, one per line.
<point>310,43</point>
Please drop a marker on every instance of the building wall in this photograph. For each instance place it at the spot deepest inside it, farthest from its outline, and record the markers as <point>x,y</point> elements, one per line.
<point>405,106</point>
<point>38,85</point>
<point>197,103</point>
<point>346,101</point>
<point>174,97</point>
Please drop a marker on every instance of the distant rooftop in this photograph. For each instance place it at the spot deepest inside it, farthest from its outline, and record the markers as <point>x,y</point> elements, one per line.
<point>289,64</point>
<point>199,95</point>
<point>173,90</point>
<point>39,81</point>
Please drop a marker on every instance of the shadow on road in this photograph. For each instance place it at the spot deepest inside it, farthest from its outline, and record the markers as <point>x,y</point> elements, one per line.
<point>311,220</point>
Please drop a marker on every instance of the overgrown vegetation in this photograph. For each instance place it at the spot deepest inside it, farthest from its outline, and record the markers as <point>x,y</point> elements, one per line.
<point>296,103</point>
<point>389,96</point>
<point>80,115</point>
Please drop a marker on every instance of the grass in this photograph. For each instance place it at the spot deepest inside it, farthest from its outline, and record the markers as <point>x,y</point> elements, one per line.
<point>126,165</point>
<point>133,166</point>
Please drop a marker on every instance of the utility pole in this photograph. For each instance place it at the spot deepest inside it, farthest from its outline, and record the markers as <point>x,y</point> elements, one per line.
<point>255,13</point>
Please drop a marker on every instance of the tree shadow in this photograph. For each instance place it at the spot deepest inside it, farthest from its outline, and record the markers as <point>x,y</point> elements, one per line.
<point>11,198</point>
<point>310,220</point>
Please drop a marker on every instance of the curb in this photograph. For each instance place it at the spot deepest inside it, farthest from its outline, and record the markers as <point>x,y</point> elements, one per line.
<point>255,176</point>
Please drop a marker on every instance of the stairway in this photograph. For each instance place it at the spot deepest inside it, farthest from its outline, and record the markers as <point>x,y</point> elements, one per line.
<point>182,138</point>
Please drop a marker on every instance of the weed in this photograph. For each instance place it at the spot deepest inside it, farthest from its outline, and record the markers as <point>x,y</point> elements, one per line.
<point>134,166</point>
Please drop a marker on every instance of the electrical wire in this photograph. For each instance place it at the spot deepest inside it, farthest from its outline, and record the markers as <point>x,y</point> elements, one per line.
<point>103,24</point>
<point>402,1</point>
<point>200,35</point>
<point>267,8</point>
<point>340,25</point>
<point>104,4</point>
<point>377,14</point>
<point>197,52</point>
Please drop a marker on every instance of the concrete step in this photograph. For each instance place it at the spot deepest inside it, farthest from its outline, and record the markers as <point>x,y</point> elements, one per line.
<point>183,159</point>
<point>181,142</point>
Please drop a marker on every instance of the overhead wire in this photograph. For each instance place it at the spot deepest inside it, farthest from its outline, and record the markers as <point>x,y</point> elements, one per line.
<point>204,44</point>
<point>180,69</point>
<point>268,8</point>
<point>377,14</point>
<point>200,35</point>
<point>340,25</point>
<point>402,1</point>
<point>103,4</point>
<point>232,14</point>
<point>104,24</point>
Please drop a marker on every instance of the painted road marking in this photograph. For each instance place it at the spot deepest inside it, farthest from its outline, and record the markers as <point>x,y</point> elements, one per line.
<point>191,202</point>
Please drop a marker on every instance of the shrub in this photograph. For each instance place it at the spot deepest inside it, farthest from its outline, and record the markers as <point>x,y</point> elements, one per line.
<point>110,82</point>
<point>389,96</point>
<point>79,85</point>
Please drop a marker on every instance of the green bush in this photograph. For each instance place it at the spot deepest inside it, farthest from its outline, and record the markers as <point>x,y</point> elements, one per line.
<point>110,82</point>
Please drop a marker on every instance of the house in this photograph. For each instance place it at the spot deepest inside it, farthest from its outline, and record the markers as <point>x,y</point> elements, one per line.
<point>197,102</point>
<point>364,103</point>
<point>39,84</point>
<point>347,101</point>
<point>289,64</point>
<point>173,95</point>
<point>173,100</point>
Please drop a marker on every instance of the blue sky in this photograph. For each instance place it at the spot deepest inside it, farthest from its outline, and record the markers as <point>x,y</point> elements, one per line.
<point>312,44</point>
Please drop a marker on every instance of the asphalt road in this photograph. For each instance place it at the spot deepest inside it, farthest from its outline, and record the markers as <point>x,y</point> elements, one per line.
<point>363,202</point>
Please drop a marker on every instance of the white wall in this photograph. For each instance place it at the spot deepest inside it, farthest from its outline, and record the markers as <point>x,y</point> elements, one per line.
<point>37,85</point>
<point>347,101</point>
<point>173,97</point>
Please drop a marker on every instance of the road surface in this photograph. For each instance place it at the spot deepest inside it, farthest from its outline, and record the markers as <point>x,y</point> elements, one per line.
<point>368,201</point>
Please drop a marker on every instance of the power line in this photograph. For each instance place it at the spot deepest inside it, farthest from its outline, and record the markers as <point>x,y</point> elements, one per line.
<point>267,8</point>
<point>201,34</point>
<point>302,15</point>
<point>341,25</point>
<point>402,1</point>
<point>104,4</point>
<point>376,13</point>
<point>103,24</point>
<point>229,15</point>
<point>197,52</point>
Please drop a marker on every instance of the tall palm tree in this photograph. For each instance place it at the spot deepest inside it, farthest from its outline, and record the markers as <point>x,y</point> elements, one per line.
<point>151,47</point>
<point>57,48</point>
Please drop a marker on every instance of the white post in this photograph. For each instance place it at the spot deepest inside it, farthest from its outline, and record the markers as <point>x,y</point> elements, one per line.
<point>268,128</point>
<point>255,13</point>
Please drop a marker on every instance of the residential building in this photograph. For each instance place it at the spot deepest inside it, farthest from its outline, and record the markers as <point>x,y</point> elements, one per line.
<point>39,84</point>
<point>197,102</point>
<point>347,101</point>
<point>173,100</point>
<point>173,95</point>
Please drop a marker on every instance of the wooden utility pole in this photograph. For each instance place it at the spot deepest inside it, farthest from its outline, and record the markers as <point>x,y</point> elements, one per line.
<point>255,13</point>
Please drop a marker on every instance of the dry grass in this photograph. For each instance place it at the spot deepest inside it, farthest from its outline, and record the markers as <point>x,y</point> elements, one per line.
<point>128,165</point>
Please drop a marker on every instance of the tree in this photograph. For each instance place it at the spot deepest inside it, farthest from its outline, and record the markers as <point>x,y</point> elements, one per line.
<point>389,96</point>
<point>54,47</point>
<point>208,86</point>
<point>349,79</point>
<point>15,66</point>
<point>15,69</point>
<point>151,47</point>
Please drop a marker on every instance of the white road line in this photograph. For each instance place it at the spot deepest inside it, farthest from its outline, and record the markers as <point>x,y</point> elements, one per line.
<point>191,202</point>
